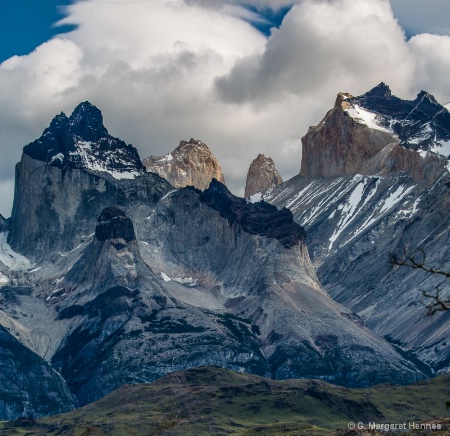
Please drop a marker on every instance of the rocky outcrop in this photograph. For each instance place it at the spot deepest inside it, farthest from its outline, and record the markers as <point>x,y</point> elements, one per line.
<point>420,124</point>
<point>125,326</point>
<point>29,387</point>
<point>257,219</point>
<point>375,133</point>
<point>112,224</point>
<point>57,208</point>
<point>190,164</point>
<point>262,175</point>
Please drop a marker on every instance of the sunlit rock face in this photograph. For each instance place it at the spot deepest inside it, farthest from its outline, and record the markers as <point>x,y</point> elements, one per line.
<point>374,181</point>
<point>378,133</point>
<point>262,175</point>
<point>190,164</point>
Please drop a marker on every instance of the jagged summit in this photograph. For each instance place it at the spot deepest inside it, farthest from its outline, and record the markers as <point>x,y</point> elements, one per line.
<point>86,122</point>
<point>262,175</point>
<point>378,132</point>
<point>190,164</point>
<point>421,123</point>
<point>255,218</point>
<point>82,141</point>
<point>380,91</point>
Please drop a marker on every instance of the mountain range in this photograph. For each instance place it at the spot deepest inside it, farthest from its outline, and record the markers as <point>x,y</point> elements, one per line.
<point>111,274</point>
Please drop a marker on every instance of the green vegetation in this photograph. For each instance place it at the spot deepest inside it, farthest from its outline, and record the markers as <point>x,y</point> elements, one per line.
<point>215,401</point>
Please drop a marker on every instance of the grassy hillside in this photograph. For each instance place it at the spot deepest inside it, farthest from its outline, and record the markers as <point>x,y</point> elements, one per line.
<point>214,401</point>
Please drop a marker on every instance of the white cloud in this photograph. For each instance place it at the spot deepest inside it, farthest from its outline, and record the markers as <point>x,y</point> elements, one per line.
<point>260,4</point>
<point>6,196</point>
<point>324,46</point>
<point>432,57</point>
<point>167,70</point>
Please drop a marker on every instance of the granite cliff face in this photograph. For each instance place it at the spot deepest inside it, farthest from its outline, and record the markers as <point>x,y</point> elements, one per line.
<point>374,181</point>
<point>130,279</point>
<point>67,177</point>
<point>190,164</point>
<point>262,176</point>
<point>378,133</point>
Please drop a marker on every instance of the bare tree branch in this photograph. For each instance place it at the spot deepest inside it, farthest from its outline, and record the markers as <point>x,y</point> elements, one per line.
<point>439,303</point>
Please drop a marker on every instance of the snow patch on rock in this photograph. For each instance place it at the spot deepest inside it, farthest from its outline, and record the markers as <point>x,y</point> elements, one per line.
<point>10,258</point>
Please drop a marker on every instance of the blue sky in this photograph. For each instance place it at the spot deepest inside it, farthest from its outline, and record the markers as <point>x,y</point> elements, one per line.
<point>166,70</point>
<point>25,24</point>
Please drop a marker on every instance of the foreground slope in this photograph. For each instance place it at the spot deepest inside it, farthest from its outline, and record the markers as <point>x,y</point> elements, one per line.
<point>212,400</point>
<point>374,181</point>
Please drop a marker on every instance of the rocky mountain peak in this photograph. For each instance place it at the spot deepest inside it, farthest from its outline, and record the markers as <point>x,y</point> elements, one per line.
<point>262,175</point>
<point>86,122</point>
<point>192,143</point>
<point>190,164</point>
<point>114,224</point>
<point>341,98</point>
<point>81,141</point>
<point>359,134</point>
<point>380,91</point>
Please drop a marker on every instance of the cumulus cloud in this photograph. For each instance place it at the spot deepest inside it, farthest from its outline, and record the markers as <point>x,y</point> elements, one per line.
<point>321,45</point>
<point>431,54</point>
<point>167,70</point>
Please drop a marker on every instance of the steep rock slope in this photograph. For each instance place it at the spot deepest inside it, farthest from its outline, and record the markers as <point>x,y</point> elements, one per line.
<point>375,181</point>
<point>129,279</point>
<point>126,327</point>
<point>128,323</point>
<point>262,175</point>
<point>28,385</point>
<point>190,164</point>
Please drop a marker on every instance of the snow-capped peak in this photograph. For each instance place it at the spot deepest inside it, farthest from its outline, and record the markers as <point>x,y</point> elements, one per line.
<point>421,124</point>
<point>82,141</point>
